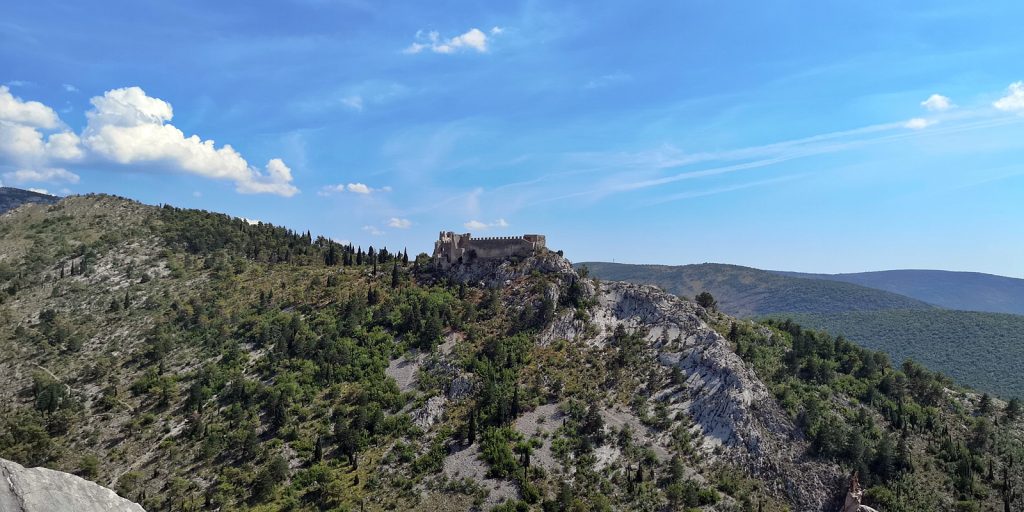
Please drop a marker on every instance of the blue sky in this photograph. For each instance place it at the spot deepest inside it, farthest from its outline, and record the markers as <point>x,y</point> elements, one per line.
<point>808,136</point>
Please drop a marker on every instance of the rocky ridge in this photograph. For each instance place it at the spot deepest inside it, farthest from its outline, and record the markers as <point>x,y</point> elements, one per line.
<point>735,418</point>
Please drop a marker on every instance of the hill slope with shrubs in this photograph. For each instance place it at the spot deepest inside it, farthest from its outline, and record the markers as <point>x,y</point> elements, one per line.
<point>191,360</point>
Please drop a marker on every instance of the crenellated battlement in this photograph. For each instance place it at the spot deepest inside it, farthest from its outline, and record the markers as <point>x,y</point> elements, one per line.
<point>453,248</point>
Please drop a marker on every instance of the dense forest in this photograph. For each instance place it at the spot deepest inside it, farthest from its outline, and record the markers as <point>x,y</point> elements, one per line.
<point>982,350</point>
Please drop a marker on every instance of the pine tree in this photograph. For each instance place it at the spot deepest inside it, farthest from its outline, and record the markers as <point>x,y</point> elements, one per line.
<point>1012,409</point>
<point>734,333</point>
<point>331,258</point>
<point>985,405</point>
<point>318,449</point>
<point>405,257</point>
<point>394,275</point>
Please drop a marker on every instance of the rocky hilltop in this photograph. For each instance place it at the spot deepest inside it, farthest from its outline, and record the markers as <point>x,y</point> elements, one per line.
<point>734,418</point>
<point>44,490</point>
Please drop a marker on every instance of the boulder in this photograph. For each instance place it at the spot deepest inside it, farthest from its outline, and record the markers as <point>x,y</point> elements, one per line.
<point>45,490</point>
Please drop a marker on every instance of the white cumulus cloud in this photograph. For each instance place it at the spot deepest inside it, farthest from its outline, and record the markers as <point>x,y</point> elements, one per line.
<point>396,222</point>
<point>358,188</point>
<point>128,127</point>
<point>125,127</point>
<point>472,39</point>
<point>937,103</point>
<point>1014,99</point>
<point>25,145</point>
<point>26,113</point>
<point>476,225</point>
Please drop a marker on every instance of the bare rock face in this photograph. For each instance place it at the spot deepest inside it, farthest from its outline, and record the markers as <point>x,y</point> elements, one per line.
<point>735,416</point>
<point>45,490</point>
<point>497,272</point>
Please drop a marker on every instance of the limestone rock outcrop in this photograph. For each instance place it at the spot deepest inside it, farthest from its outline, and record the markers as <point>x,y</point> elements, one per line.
<point>735,415</point>
<point>45,490</point>
<point>499,272</point>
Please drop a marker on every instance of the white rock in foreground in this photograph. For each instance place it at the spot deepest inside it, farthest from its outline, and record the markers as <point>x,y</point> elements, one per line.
<point>45,490</point>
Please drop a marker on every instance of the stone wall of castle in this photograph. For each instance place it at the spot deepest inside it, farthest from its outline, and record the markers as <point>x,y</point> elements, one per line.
<point>454,248</point>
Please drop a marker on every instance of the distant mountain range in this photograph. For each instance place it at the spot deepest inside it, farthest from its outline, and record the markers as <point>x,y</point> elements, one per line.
<point>750,292</point>
<point>11,198</point>
<point>971,291</point>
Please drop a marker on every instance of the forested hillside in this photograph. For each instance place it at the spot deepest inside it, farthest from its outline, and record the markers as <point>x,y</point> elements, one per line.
<point>11,198</point>
<point>968,291</point>
<point>749,292</point>
<point>982,350</point>
<point>192,361</point>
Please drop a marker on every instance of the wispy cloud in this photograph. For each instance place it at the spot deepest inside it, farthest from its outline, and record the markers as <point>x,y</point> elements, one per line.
<point>473,39</point>
<point>476,225</point>
<point>690,194</point>
<point>399,223</point>
<point>608,80</point>
<point>919,123</point>
<point>355,188</point>
<point>354,102</point>
<point>624,172</point>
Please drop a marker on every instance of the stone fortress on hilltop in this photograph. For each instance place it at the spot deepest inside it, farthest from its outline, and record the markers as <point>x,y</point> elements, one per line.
<point>454,248</point>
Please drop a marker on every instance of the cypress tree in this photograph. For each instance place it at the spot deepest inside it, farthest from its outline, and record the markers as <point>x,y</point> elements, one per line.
<point>472,426</point>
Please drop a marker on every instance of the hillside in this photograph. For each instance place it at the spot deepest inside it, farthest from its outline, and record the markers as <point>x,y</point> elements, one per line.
<point>749,292</point>
<point>190,360</point>
<point>11,198</point>
<point>982,350</point>
<point>968,291</point>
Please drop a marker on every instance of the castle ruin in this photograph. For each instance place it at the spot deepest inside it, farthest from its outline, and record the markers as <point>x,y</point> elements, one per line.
<point>454,248</point>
